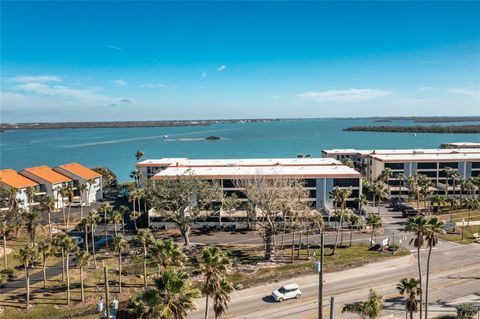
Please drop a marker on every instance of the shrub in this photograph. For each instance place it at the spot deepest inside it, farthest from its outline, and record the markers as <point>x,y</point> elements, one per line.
<point>466,311</point>
<point>7,273</point>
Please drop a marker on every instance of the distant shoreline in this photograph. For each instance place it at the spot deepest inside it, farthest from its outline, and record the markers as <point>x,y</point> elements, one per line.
<point>451,129</point>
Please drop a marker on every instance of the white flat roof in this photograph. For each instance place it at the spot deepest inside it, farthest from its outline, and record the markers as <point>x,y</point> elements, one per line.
<point>240,162</point>
<point>400,151</point>
<point>223,172</point>
<point>455,157</point>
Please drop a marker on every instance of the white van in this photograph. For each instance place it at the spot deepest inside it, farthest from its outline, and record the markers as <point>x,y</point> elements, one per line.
<point>287,292</point>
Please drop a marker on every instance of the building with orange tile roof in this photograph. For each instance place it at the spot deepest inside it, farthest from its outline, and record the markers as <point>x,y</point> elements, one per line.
<point>49,180</point>
<point>83,175</point>
<point>12,180</point>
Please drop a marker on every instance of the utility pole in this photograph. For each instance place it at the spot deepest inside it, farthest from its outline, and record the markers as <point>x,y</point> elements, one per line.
<point>332,307</point>
<point>320,278</point>
<point>107,304</point>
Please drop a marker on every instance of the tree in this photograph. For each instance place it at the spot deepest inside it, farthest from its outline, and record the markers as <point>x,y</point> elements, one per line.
<point>124,211</point>
<point>45,249</point>
<point>182,200</point>
<point>62,191</point>
<point>70,195</point>
<point>172,297</point>
<point>93,219</point>
<point>85,223</point>
<point>355,221</point>
<point>384,177</point>
<point>221,298</point>
<point>82,188</point>
<point>5,230</point>
<point>120,244</point>
<point>410,287</point>
<point>452,175</point>
<point>30,191</point>
<point>362,202</point>
<point>434,227</point>
<point>380,192</point>
<point>134,215</point>
<point>109,179</point>
<point>274,198</point>
<point>48,204</point>
<point>214,264</point>
<point>31,218</point>
<point>400,177</point>
<point>466,311</point>
<point>105,209</point>
<point>368,309</point>
<point>375,221</point>
<point>83,258</point>
<point>145,238</point>
<point>165,253</point>
<point>138,155</point>
<point>414,188</point>
<point>418,225</point>
<point>116,219</point>
<point>27,255</point>
<point>69,247</point>
<point>339,196</point>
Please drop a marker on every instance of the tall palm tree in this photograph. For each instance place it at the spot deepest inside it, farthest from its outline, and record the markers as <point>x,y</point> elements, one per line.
<point>339,196</point>
<point>134,215</point>
<point>139,154</point>
<point>145,238</point>
<point>214,264</point>
<point>58,244</point>
<point>70,195</point>
<point>355,221</point>
<point>418,225</point>
<point>375,221</point>
<point>70,247</point>
<point>30,191</point>
<point>132,197</point>
<point>451,174</point>
<point>400,177</point>
<point>82,188</point>
<point>414,188</point>
<point>471,204</point>
<point>83,258</point>
<point>367,309</point>
<point>362,202</point>
<point>105,209</point>
<point>411,288</point>
<point>171,298</point>
<point>116,219</point>
<point>434,228</point>
<point>45,250</point>
<point>31,218</point>
<point>221,298</point>
<point>124,211</point>
<point>85,223</point>
<point>48,204</point>
<point>384,177</point>
<point>120,244</point>
<point>380,192</point>
<point>62,191</point>
<point>5,230</point>
<point>27,255</point>
<point>93,219</point>
<point>165,253</point>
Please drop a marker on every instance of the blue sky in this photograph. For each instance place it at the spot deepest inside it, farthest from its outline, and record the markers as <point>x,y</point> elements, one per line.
<point>80,61</point>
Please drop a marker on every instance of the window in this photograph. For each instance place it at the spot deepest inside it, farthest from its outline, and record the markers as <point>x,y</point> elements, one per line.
<point>443,165</point>
<point>228,183</point>
<point>310,183</point>
<point>346,182</point>
<point>312,193</point>
<point>394,165</point>
<point>475,164</point>
<point>239,194</point>
<point>427,166</point>
<point>429,174</point>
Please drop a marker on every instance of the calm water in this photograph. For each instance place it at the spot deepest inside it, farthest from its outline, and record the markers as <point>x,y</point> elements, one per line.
<point>115,148</point>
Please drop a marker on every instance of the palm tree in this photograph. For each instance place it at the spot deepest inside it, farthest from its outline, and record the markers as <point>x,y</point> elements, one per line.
<point>132,197</point>
<point>339,195</point>
<point>48,204</point>
<point>30,191</point>
<point>368,309</point>
<point>58,244</point>
<point>145,238</point>
<point>70,247</point>
<point>434,227</point>
<point>105,208</point>
<point>134,215</point>
<point>93,219</point>
<point>83,258</point>
<point>355,221</point>
<point>375,221</point>
<point>31,224</point>
<point>380,192</point>
<point>418,225</point>
<point>400,177</point>
<point>116,219</point>
<point>213,265</point>
<point>166,253</point>
<point>411,288</point>
<point>27,255</point>
<point>384,177</point>
<point>362,202</point>
<point>451,174</point>
<point>414,188</point>
<point>62,191</point>
<point>85,223</point>
<point>172,297</point>
<point>45,249</point>
<point>139,154</point>
<point>471,204</point>
<point>120,244</point>
<point>70,195</point>
<point>221,298</point>
<point>82,188</point>
<point>5,230</point>
<point>124,211</point>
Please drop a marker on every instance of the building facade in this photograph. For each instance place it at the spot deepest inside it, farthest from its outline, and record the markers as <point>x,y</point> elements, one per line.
<point>80,174</point>
<point>27,192</point>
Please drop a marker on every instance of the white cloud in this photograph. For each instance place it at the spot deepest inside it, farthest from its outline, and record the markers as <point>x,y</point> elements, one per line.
<point>154,85</point>
<point>221,68</point>
<point>35,78</point>
<point>204,74</point>
<point>346,96</point>
<point>111,47</point>
<point>62,91</point>
<point>119,82</point>
<point>465,91</point>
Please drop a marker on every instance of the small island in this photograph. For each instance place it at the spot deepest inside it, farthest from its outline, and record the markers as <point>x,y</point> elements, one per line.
<point>212,138</point>
<point>453,129</point>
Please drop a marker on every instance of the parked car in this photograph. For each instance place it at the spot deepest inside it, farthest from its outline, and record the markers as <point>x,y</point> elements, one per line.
<point>287,292</point>
<point>412,212</point>
<point>122,193</point>
<point>78,240</point>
